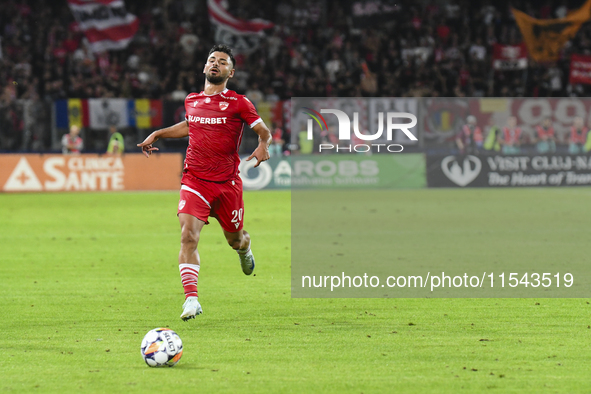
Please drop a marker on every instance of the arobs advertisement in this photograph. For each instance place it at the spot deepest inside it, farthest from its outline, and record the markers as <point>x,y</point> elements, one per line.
<point>335,171</point>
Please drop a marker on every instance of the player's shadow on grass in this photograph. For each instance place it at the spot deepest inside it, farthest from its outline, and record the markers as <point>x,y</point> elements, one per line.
<point>188,366</point>
<point>178,366</point>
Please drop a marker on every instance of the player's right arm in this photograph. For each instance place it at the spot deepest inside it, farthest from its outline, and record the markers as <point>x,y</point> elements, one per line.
<point>179,130</point>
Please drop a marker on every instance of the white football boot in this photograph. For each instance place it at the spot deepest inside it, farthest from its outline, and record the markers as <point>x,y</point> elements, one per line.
<point>246,261</point>
<point>191,308</point>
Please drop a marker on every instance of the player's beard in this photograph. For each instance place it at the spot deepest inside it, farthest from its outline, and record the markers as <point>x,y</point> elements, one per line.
<point>215,79</point>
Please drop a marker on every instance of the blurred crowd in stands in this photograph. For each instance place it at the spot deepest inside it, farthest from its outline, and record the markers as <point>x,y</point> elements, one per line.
<point>510,139</point>
<point>317,48</point>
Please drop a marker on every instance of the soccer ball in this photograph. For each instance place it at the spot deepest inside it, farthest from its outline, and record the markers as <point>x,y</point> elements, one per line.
<point>162,347</point>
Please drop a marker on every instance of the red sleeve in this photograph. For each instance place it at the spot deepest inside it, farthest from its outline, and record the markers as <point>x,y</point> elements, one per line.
<point>248,112</point>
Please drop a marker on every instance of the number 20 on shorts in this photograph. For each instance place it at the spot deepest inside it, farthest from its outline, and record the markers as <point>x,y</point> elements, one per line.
<point>237,213</point>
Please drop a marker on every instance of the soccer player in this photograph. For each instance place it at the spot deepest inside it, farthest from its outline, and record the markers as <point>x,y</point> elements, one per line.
<point>210,185</point>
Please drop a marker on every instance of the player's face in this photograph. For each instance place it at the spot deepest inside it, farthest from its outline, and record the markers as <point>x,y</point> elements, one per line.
<point>218,68</point>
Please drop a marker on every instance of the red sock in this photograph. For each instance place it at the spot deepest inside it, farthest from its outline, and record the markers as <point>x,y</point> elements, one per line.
<point>189,278</point>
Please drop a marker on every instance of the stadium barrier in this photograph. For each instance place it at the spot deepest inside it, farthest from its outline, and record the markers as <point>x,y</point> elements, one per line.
<point>89,172</point>
<point>336,171</point>
<point>508,171</point>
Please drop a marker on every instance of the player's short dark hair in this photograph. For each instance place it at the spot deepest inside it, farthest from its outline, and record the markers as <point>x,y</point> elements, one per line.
<point>225,49</point>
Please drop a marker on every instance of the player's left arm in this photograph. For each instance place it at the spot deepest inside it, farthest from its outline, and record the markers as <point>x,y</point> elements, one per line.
<point>249,115</point>
<point>261,153</point>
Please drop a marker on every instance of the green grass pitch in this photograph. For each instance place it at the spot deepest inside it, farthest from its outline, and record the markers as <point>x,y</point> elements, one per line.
<point>85,276</point>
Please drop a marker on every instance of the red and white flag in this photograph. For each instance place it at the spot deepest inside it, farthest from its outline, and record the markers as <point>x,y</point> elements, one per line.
<point>580,69</point>
<point>243,36</point>
<point>106,23</point>
<point>509,57</point>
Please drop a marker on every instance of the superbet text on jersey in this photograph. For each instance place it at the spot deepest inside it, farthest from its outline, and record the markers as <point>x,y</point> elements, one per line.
<point>216,123</point>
